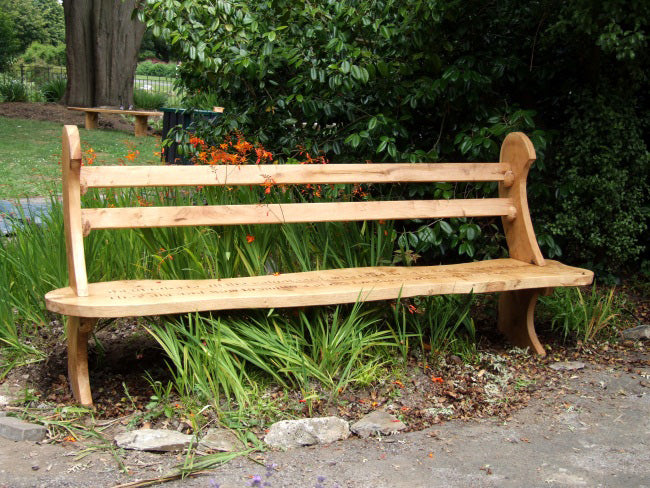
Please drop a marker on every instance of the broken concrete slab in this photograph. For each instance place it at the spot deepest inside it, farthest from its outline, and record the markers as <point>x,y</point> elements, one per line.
<point>567,366</point>
<point>157,440</point>
<point>306,432</point>
<point>223,440</point>
<point>377,422</point>
<point>641,332</point>
<point>18,430</point>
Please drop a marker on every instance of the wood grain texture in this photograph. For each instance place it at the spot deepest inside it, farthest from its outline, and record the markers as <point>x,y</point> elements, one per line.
<point>516,318</point>
<point>287,213</point>
<point>148,113</point>
<point>71,162</point>
<point>519,153</point>
<point>156,297</point>
<point>288,174</point>
<point>78,330</point>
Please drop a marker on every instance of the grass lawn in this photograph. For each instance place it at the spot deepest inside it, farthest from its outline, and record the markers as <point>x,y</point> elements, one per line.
<point>30,153</point>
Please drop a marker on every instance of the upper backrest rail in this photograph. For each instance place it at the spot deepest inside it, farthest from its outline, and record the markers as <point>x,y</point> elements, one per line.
<point>183,216</point>
<point>290,174</point>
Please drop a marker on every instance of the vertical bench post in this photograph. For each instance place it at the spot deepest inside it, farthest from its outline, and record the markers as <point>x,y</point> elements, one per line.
<point>77,328</point>
<point>91,120</point>
<point>141,125</point>
<point>516,308</point>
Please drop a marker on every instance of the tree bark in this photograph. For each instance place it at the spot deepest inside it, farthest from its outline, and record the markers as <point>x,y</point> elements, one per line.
<point>102,44</point>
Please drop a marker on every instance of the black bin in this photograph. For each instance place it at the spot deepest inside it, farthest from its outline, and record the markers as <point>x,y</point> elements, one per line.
<point>185,117</point>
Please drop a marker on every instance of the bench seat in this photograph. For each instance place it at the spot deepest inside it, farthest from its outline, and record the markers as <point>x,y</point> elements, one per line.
<point>157,297</point>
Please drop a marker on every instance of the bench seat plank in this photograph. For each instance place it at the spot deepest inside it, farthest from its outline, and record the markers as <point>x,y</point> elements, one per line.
<point>148,113</point>
<point>158,297</point>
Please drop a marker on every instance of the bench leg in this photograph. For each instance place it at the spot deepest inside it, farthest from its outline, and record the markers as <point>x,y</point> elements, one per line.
<point>141,125</point>
<point>91,120</point>
<point>516,318</point>
<point>78,330</point>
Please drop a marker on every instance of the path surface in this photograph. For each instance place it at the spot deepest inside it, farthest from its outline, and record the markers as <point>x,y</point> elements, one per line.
<point>593,431</point>
<point>13,212</point>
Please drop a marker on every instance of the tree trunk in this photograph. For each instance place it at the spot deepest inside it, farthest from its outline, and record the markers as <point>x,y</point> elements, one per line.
<point>102,44</point>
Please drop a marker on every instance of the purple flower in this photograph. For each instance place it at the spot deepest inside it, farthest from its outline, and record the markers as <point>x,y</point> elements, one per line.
<point>270,469</point>
<point>257,480</point>
<point>214,484</point>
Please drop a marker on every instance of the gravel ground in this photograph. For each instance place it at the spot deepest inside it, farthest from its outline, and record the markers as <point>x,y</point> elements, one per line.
<point>590,428</point>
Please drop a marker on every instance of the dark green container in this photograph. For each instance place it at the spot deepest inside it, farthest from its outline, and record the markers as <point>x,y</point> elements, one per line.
<point>185,117</point>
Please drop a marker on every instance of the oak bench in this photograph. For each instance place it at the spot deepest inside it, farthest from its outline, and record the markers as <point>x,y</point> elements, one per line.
<point>519,279</point>
<point>141,117</point>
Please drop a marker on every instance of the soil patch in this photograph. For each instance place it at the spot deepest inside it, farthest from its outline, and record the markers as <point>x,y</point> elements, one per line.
<point>53,112</point>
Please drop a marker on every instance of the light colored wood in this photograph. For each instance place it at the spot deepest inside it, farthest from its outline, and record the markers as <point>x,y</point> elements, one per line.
<point>519,153</point>
<point>141,125</point>
<point>288,174</point>
<point>141,217</point>
<point>97,110</point>
<point>157,297</point>
<point>90,122</point>
<point>141,116</point>
<point>71,162</point>
<point>519,279</point>
<point>78,330</point>
<point>516,317</point>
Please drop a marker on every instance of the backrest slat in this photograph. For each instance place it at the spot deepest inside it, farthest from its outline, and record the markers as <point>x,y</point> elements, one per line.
<point>140,217</point>
<point>289,174</point>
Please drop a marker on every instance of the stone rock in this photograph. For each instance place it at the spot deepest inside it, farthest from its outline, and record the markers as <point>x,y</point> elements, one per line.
<point>637,333</point>
<point>17,430</point>
<point>153,440</point>
<point>567,366</point>
<point>305,432</point>
<point>377,422</point>
<point>221,440</point>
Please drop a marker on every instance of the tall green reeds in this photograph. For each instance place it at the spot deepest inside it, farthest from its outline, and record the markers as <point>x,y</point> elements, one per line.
<point>223,359</point>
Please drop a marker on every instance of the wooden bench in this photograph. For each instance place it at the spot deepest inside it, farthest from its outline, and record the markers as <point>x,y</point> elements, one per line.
<point>519,279</point>
<point>141,117</point>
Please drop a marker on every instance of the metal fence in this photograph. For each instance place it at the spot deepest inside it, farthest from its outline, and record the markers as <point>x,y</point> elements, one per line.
<point>34,77</point>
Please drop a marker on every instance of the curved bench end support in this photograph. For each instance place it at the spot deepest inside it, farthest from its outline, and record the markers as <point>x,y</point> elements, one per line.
<point>516,318</point>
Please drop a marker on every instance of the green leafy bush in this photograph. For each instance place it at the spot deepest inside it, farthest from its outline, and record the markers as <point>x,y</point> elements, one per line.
<point>54,89</point>
<point>600,171</point>
<point>148,68</point>
<point>44,54</point>
<point>13,91</point>
<point>149,100</point>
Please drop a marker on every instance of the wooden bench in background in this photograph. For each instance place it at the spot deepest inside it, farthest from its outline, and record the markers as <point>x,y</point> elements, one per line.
<point>141,117</point>
<point>519,279</point>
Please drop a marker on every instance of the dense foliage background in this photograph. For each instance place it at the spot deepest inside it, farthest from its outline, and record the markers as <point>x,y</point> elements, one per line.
<point>430,80</point>
<point>24,23</point>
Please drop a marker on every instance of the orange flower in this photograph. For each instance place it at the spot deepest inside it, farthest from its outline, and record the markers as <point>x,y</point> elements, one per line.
<point>196,141</point>
<point>249,238</point>
<point>436,379</point>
